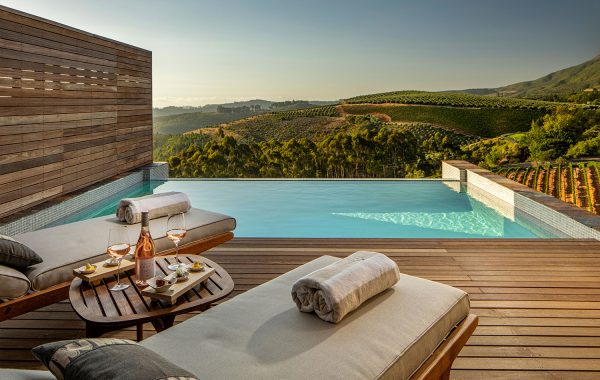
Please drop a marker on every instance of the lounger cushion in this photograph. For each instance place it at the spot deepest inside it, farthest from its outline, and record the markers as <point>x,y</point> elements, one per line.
<point>25,374</point>
<point>13,283</point>
<point>72,245</point>
<point>261,334</point>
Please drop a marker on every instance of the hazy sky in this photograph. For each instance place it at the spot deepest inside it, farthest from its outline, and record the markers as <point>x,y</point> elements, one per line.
<point>217,51</point>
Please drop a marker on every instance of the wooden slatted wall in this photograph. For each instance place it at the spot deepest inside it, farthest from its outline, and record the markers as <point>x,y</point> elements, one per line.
<point>75,108</point>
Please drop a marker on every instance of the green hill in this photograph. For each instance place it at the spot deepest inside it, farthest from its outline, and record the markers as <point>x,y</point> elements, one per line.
<point>573,79</point>
<point>452,99</point>
<point>570,80</point>
<point>484,122</point>
<point>181,123</point>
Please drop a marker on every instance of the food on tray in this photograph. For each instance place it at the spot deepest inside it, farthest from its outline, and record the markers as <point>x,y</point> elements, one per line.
<point>181,272</point>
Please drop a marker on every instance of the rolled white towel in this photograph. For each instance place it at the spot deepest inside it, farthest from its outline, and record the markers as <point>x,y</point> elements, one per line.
<point>158,205</point>
<point>336,290</point>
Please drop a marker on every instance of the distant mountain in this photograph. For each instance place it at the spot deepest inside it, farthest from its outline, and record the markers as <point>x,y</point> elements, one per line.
<point>185,122</point>
<point>566,81</point>
<point>573,79</point>
<point>264,105</point>
<point>172,110</point>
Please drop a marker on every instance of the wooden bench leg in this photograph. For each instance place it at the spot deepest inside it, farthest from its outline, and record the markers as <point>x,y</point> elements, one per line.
<point>163,323</point>
<point>139,332</point>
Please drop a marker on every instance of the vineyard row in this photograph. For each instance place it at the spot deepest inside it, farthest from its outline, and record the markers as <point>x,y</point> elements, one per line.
<point>575,183</point>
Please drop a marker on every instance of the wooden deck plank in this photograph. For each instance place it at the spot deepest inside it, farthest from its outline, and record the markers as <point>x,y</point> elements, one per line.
<point>538,300</point>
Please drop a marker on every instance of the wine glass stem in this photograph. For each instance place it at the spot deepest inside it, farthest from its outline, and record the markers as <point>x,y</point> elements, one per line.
<point>177,253</point>
<point>119,274</point>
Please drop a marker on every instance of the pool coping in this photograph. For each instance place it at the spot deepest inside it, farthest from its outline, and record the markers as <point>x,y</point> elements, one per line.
<point>44,214</point>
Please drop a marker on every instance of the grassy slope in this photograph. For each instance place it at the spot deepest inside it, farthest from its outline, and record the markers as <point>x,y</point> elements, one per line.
<point>182,123</point>
<point>454,99</point>
<point>572,79</point>
<point>485,122</point>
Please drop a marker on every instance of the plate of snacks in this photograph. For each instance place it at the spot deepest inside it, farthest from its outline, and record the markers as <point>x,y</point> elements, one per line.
<point>87,269</point>
<point>196,266</point>
<point>111,262</point>
<point>161,284</point>
<point>181,274</point>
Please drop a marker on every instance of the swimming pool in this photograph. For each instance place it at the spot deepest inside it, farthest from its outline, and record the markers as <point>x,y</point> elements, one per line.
<point>342,209</point>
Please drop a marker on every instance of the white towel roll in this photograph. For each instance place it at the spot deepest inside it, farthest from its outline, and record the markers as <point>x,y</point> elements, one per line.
<point>158,205</point>
<point>336,290</point>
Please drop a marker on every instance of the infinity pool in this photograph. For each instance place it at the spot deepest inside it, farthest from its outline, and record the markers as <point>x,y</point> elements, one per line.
<point>342,209</point>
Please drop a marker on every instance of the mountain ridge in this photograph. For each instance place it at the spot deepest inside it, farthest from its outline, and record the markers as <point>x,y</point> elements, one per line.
<point>577,78</point>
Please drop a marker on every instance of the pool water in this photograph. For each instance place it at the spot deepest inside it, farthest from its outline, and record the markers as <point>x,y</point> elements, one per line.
<point>340,209</point>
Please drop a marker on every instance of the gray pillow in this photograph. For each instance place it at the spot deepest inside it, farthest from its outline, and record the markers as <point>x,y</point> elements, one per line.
<point>106,358</point>
<point>16,255</point>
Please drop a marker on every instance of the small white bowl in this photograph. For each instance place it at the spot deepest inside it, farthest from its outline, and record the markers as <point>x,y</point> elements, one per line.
<point>111,263</point>
<point>192,269</point>
<point>82,270</point>
<point>159,289</point>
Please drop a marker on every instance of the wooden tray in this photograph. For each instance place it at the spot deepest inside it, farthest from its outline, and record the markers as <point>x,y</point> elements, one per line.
<point>104,271</point>
<point>179,288</point>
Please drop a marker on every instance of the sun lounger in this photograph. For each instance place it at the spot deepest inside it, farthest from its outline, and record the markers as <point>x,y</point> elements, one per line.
<point>69,246</point>
<point>413,330</point>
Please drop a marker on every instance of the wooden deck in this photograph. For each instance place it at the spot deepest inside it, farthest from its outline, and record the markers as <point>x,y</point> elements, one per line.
<point>538,300</point>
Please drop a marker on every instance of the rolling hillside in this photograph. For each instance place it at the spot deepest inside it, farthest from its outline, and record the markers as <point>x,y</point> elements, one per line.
<point>572,79</point>
<point>484,122</point>
<point>181,123</point>
<point>465,114</point>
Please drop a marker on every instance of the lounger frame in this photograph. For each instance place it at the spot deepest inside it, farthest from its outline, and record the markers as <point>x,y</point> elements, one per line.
<point>37,299</point>
<point>439,364</point>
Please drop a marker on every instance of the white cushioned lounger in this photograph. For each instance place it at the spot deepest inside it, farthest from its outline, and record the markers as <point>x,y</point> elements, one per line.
<point>72,245</point>
<point>260,334</point>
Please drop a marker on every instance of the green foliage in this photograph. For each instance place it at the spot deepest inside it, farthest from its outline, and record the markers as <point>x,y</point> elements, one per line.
<point>585,97</point>
<point>585,148</point>
<point>552,137</point>
<point>453,99</point>
<point>567,132</point>
<point>497,151</point>
<point>485,122</point>
<point>362,153</point>
<point>166,146</point>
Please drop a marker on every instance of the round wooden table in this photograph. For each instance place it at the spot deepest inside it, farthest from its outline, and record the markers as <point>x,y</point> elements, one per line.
<point>104,311</point>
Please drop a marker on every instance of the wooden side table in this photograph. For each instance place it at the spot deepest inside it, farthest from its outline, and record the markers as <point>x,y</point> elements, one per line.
<point>104,311</point>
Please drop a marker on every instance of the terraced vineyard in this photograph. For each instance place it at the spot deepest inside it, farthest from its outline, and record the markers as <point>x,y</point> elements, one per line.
<point>452,99</point>
<point>424,132</point>
<point>575,183</point>
<point>330,111</point>
<point>485,122</point>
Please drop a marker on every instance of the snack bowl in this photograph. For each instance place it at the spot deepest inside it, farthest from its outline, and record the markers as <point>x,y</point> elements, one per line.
<point>87,269</point>
<point>181,274</point>
<point>196,266</point>
<point>168,282</point>
<point>111,263</point>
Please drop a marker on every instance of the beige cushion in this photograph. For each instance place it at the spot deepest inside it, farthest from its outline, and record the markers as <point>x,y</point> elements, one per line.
<point>261,334</point>
<point>25,374</point>
<point>72,245</point>
<point>13,283</point>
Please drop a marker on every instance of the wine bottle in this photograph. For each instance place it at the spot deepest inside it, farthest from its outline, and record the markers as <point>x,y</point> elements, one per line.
<point>144,254</point>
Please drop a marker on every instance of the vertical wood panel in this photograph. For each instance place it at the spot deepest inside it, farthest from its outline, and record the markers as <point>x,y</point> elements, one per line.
<point>75,109</point>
